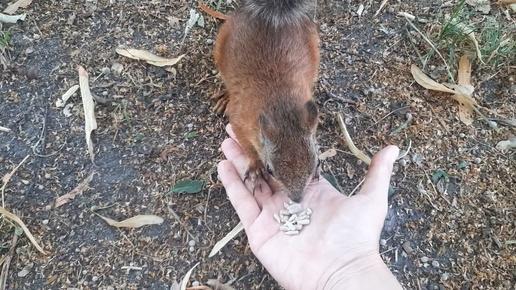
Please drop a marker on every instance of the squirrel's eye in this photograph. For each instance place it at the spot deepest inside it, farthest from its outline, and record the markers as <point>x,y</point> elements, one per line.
<point>269,170</point>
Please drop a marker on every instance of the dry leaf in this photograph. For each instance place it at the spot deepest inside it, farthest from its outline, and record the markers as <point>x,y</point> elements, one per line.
<point>175,286</point>
<point>16,219</point>
<point>327,154</point>
<point>507,144</point>
<point>134,222</point>
<point>219,285</point>
<point>187,277</point>
<point>480,5</point>
<point>507,1</point>
<point>76,191</point>
<point>220,244</point>
<point>62,101</point>
<point>461,92</point>
<point>201,287</point>
<point>147,56</point>
<point>427,82</point>
<point>14,6</point>
<point>89,109</point>
<point>12,18</point>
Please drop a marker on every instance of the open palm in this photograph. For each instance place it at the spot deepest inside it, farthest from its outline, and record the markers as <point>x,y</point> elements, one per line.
<point>343,234</point>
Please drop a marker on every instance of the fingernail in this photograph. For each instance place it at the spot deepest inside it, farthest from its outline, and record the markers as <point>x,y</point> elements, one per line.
<point>394,153</point>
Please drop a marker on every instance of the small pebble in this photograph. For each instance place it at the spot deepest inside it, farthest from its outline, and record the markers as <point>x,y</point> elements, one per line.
<point>478,160</point>
<point>191,243</point>
<point>424,259</point>
<point>444,276</point>
<point>94,208</point>
<point>214,71</point>
<point>95,278</point>
<point>435,264</point>
<point>48,207</point>
<point>45,222</point>
<point>462,135</point>
<point>106,70</point>
<point>32,73</point>
<point>47,175</point>
<point>383,242</point>
<point>195,284</point>
<point>41,187</point>
<point>191,249</point>
<point>84,272</point>
<point>236,242</point>
<point>209,41</point>
<point>403,162</point>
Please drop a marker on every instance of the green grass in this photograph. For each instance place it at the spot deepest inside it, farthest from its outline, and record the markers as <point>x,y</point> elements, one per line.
<point>4,38</point>
<point>493,34</point>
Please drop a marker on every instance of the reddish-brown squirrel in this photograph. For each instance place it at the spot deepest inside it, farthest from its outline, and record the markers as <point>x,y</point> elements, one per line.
<point>267,52</point>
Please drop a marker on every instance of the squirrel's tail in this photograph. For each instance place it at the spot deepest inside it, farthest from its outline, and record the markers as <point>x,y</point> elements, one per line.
<point>277,12</point>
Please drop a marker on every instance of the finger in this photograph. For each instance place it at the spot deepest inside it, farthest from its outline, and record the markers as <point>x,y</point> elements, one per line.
<point>235,154</point>
<point>240,197</point>
<point>230,131</point>
<point>376,184</point>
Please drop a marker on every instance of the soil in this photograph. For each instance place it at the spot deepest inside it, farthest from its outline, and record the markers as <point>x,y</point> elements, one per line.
<point>156,128</point>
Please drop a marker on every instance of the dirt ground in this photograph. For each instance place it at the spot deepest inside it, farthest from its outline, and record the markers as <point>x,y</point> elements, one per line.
<point>155,129</point>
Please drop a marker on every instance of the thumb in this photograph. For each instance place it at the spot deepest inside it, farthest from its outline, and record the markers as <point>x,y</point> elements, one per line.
<point>376,184</point>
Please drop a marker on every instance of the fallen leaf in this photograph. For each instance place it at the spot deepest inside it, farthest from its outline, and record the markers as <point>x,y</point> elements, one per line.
<point>507,1</point>
<point>461,92</point>
<point>327,154</point>
<point>427,82</point>
<point>134,222</point>
<point>175,286</point>
<point>78,190</point>
<point>218,285</point>
<point>200,287</point>
<point>62,101</point>
<point>147,56</point>
<point>220,244</point>
<point>90,123</point>
<point>16,219</point>
<point>12,18</point>
<point>507,144</point>
<point>14,6</point>
<point>188,186</point>
<point>212,13</point>
<point>480,5</point>
<point>186,278</point>
<point>194,16</point>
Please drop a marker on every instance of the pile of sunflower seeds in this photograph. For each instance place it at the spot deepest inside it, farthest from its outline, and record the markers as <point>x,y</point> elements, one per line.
<point>292,218</point>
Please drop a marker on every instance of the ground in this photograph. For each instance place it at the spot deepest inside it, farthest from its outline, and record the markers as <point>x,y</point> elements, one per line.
<point>156,128</point>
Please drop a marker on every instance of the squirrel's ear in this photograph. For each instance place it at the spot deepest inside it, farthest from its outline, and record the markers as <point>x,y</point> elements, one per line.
<point>313,114</point>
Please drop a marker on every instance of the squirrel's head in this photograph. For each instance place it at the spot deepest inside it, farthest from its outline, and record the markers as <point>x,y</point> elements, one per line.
<point>289,149</point>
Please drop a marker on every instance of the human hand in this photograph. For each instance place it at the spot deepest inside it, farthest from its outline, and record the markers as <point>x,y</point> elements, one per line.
<point>340,246</point>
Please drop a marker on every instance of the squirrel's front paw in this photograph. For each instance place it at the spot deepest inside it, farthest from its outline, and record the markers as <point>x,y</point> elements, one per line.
<point>255,170</point>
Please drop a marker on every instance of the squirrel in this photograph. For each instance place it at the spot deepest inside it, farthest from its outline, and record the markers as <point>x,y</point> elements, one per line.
<point>267,53</point>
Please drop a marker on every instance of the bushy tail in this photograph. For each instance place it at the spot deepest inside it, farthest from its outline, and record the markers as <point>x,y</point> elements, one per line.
<point>277,12</point>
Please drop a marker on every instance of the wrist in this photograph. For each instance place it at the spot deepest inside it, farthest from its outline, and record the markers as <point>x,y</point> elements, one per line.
<point>368,272</point>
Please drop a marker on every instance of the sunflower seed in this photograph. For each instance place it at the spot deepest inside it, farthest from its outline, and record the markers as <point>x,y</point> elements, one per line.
<point>284,228</point>
<point>290,226</point>
<point>298,227</point>
<point>291,233</point>
<point>277,218</point>
<point>303,222</point>
<point>308,211</point>
<point>283,218</point>
<point>285,205</point>
<point>292,218</point>
<point>284,212</point>
<point>302,217</point>
<point>294,208</point>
